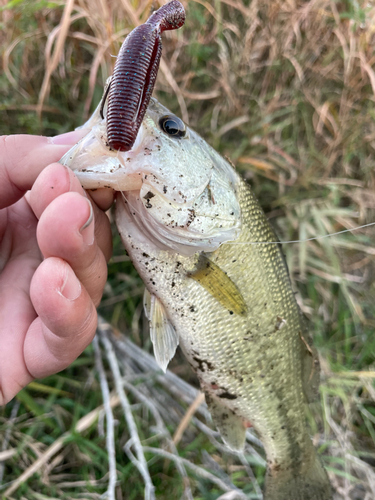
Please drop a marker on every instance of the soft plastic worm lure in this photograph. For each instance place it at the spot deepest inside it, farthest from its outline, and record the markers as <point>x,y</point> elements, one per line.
<point>134,75</point>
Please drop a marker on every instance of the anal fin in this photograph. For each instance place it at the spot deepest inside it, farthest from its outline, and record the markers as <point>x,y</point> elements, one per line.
<point>232,428</point>
<point>163,335</point>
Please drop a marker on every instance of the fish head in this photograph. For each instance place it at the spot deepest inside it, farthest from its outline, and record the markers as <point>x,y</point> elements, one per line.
<point>180,192</point>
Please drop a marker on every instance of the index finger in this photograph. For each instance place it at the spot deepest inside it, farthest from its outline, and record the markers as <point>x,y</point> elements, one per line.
<point>23,157</point>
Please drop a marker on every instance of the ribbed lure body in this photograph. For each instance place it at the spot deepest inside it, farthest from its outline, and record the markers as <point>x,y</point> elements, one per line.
<point>135,74</point>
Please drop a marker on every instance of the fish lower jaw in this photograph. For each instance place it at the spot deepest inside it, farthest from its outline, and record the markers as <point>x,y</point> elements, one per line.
<point>95,180</point>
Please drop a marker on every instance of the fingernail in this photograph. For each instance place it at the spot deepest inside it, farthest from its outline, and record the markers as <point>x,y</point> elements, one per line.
<point>87,230</point>
<point>71,288</point>
<point>70,138</point>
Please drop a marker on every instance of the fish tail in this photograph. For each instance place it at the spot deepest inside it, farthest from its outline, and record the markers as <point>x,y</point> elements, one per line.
<point>311,483</point>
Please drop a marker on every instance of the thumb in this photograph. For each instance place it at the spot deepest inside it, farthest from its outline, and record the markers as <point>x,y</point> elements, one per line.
<point>23,157</point>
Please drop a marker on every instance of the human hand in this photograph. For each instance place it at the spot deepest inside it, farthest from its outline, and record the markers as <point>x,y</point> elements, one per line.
<point>54,244</point>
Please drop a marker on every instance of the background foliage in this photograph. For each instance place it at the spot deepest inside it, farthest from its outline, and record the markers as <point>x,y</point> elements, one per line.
<point>285,88</point>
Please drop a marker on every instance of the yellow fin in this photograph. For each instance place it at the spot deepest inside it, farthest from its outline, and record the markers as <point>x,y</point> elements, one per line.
<point>219,285</point>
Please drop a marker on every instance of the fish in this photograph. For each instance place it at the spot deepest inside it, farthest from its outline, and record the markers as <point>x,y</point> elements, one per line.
<point>216,284</point>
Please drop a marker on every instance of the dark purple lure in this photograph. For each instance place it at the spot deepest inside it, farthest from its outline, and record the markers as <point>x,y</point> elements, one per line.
<point>135,73</point>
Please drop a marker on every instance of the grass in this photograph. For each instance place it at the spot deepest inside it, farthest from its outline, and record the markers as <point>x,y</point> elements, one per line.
<point>286,90</point>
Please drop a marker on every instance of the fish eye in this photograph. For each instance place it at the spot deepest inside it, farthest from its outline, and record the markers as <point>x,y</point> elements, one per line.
<point>172,125</point>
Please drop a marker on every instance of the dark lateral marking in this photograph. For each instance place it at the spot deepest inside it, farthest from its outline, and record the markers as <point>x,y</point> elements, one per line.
<point>276,467</point>
<point>227,395</point>
<point>201,362</point>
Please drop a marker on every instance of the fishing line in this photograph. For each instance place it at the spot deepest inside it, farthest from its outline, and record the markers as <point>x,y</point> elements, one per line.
<point>298,241</point>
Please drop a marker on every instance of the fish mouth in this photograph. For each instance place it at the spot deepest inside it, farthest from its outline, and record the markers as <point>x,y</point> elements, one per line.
<point>97,166</point>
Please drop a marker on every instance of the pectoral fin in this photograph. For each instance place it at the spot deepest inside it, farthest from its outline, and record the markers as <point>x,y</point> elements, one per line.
<point>219,285</point>
<point>162,332</point>
<point>231,427</point>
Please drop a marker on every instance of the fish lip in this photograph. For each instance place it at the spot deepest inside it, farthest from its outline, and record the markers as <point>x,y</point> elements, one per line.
<point>96,165</point>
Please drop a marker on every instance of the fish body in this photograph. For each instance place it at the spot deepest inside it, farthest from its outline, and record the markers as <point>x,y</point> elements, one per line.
<point>198,238</point>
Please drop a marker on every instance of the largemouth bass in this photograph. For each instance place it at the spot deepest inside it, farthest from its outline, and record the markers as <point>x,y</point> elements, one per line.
<point>199,240</point>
